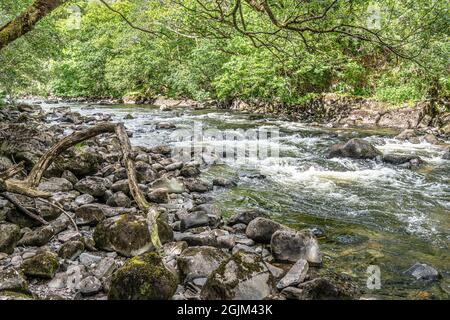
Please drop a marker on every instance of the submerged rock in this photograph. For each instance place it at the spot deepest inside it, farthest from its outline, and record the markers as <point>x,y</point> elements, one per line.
<point>9,236</point>
<point>143,278</point>
<point>246,216</point>
<point>197,262</point>
<point>243,276</point>
<point>42,265</point>
<point>354,148</point>
<point>327,287</point>
<point>422,271</point>
<point>290,246</point>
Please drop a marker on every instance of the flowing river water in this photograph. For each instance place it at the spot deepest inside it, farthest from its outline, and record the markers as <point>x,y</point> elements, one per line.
<point>365,212</point>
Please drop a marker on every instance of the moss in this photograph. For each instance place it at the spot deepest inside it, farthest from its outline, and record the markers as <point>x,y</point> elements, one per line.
<point>42,265</point>
<point>143,278</point>
<point>243,265</point>
<point>126,234</point>
<point>11,295</point>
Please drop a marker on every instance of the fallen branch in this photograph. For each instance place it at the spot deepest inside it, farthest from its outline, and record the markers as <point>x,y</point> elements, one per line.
<point>22,209</point>
<point>28,186</point>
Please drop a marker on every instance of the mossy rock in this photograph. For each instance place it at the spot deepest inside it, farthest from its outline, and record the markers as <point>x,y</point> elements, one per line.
<point>13,280</point>
<point>14,296</point>
<point>244,276</point>
<point>9,236</point>
<point>126,234</point>
<point>43,265</point>
<point>143,278</point>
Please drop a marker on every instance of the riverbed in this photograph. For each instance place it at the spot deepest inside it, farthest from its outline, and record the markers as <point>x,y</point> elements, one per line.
<point>364,212</point>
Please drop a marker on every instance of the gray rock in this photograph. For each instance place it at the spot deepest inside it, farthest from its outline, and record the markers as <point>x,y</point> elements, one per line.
<point>159,195</point>
<point>105,268</point>
<point>198,185</point>
<point>128,235</point>
<point>295,275</point>
<point>90,286</point>
<point>422,271</point>
<point>246,216</point>
<point>144,172</point>
<point>143,278</point>
<point>69,235</point>
<point>262,229</point>
<point>38,237</point>
<point>243,276</point>
<point>119,199</point>
<point>174,166</point>
<point>84,199</point>
<point>121,185</point>
<point>197,262</point>
<point>69,176</point>
<point>55,185</point>
<point>42,265</point>
<point>242,248</point>
<point>88,259</point>
<point>190,171</point>
<point>354,148</point>
<point>201,239</point>
<point>290,246</point>
<point>92,214</point>
<point>71,250</point>
<point>13,280</point>
<point>223,182</point>
<point>95,186</point>
<point>193,220</point>
<point>328,287</point>
<point>9,236</point>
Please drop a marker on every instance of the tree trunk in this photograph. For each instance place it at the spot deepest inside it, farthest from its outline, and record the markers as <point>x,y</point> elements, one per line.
<point>26,21</point>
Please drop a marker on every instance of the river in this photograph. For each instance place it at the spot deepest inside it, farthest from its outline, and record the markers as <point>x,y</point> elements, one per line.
<point>365,212</point>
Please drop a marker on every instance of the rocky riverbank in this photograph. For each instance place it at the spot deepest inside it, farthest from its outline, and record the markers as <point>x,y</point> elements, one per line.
<point>111,256</point>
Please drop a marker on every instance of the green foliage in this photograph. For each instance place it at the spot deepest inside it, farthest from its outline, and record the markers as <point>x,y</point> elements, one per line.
<point>189,54</point>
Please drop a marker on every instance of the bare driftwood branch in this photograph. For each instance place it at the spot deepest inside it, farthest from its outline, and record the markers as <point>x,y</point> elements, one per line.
<point>22,209</point>
<point>28,186</point>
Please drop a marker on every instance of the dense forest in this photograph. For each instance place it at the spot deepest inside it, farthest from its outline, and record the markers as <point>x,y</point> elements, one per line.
<point>282,51</point>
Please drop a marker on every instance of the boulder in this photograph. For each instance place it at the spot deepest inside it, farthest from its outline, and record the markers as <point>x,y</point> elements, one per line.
<point>42,265</point>
<point>144,172</point>
<point>159,195</point>
<point>193,220</point>
<point>172,185</point>
<point>13,280</point>
<point>246,216</point>
<point>327,287</point>
<point>93,213</point>
<point>354,148</point>
<point>83,162</point>
<point>295,275</point>
<point>55,185</point>
<point>198,262</point>
<point>83,199</point>
<point>143,278</point>
<point>422,271</point>
<point>90,286</point>
<point>262,229</point>
<point>69,176</point>
<point>190,171</point>
<point>37,237</point>
<point>128,235</point>
<point>119,199</point>
<point>243,276</point>
<point>71,250</point>
<point>9,236</point>
<point>198,185</point>
<point>223,182</point>
<point>95,186</point>
<point>290,246</point>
